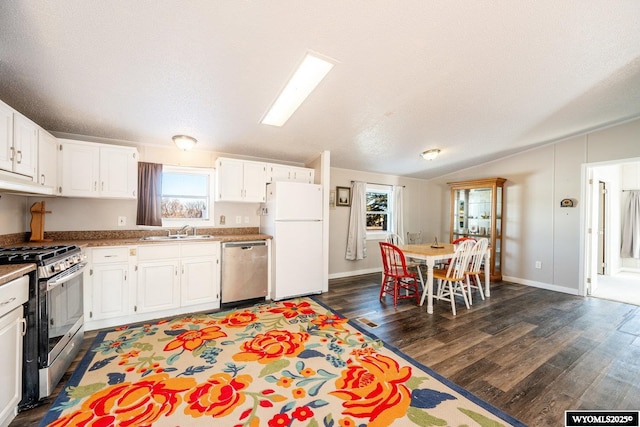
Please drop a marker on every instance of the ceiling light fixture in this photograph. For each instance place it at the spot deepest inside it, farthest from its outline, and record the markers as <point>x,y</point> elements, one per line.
<point>184,142</point>
<point>430,154</point>
<point>308,75</point>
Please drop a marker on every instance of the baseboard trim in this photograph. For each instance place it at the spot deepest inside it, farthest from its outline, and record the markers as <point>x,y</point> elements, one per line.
<point>355,273</point>
<point>541,285</point>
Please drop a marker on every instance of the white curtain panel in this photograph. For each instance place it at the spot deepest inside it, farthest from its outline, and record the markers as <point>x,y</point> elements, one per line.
<point>357,238</point>
<point>398,210</point>
<point>631,227</point>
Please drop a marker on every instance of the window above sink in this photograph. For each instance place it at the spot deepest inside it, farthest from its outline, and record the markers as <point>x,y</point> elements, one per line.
<point>187,196</point>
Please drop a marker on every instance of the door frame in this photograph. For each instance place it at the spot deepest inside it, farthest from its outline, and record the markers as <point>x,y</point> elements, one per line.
<point>588,273</point>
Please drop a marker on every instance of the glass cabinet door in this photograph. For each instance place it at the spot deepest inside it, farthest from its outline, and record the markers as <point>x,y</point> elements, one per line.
<point>472,213</point>
<point>476,212</point>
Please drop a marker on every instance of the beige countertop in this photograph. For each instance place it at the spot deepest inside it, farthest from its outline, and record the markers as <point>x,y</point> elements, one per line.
<point>13,271</point>
<point>137,241</point>
<point>131,237</point>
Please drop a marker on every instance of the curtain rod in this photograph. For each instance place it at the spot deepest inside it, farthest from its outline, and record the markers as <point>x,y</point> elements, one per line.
<point>376,183</point>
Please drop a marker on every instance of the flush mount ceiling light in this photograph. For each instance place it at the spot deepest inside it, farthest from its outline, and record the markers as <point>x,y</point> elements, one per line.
<point>430,154</point>
<point>184,142</point>
<point>308,75</point>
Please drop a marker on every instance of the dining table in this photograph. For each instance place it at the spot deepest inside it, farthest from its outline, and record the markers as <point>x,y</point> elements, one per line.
<point>431,253</point>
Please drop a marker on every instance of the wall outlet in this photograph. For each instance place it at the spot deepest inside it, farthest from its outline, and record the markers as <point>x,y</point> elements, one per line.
<point>222,219</point>
<point>538,265</point>
<point>238,219</point>
<point>122,221</point>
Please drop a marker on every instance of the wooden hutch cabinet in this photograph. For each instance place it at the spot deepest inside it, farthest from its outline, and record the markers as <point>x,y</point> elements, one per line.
<point>476,211</point>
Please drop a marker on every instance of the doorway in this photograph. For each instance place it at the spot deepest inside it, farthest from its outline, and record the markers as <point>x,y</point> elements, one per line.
<point>605,274</point>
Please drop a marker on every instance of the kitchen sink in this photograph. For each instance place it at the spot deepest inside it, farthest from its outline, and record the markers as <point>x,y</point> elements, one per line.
<point>179,237</point>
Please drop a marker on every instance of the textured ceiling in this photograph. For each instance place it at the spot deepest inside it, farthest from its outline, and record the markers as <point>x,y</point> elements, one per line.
<point>476,79</point>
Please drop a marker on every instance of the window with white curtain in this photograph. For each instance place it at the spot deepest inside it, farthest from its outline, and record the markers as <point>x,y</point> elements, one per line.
<point>379,214</point>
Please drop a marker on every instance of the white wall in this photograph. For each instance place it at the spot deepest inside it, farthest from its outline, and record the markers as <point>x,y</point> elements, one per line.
<point>419,201</point>
<point>536,227</point>
<point>12,214</point>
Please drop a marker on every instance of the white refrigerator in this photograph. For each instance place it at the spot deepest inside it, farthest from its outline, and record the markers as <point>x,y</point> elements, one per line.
<point>292,214</point>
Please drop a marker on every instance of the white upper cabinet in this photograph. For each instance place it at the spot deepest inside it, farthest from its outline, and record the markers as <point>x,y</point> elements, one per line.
<point>118,172</point>
<point>6,137</point>
<point>98,170</point>
<point>47,160</point>
<point>18,142</point>
<point>276,172</point>
<point>240,181</point>
<point>25,143</point>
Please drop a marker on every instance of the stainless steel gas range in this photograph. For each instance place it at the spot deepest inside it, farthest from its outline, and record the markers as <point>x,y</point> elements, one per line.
<point>54,315</point>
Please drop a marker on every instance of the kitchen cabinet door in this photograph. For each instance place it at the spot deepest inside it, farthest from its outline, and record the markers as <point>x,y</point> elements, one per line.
<point>240,181</point>
<point>255,182</point>
<point>158,286</point>
<point>118,172</point>
<point>6,137</point>
<point>198,285</point>
<point>79,169</point>
<point>11,326</point>
<point>302,175</point>
<point>229,180</point>
<point>47,160</point>
<point>110,291</point>
<point>278,172</point>
<point>98,170</point>
<point>200,281</point>
<point>25,144</point>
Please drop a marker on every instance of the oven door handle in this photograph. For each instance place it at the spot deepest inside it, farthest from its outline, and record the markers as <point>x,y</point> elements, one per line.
<point>67,277</point>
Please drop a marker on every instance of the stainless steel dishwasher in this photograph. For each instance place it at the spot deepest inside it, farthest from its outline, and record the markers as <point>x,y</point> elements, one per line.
<point>244,271</point>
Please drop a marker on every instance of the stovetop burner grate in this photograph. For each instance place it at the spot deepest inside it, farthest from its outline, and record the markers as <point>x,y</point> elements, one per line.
<point>37,254</point>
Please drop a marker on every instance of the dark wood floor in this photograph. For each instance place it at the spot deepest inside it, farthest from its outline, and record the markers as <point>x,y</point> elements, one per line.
<point>530,352</point>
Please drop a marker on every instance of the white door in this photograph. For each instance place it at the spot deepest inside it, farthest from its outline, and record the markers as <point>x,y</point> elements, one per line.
<point>198,284</point>
<point>6,137</point>
<point>110,291</point>
<point>229,180</point>
<point>295,201</point>
<point>47,159</point>
<point>25,142</point>
<point>298,258</point>
<point>115,172</point>
<point>158,286</point>
<point>80,165</point>
<point>255,179</point>
<point>11,366</point>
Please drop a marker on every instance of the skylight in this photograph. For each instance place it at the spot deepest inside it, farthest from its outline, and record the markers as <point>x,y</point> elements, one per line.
<point>308,75</point>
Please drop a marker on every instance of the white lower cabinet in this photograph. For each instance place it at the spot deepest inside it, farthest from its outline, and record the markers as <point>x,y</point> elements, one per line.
<point>158,278</point>
<point>200,273</point>
<point>136,283</point>
<point>12,324</point>
<point>109,294</point>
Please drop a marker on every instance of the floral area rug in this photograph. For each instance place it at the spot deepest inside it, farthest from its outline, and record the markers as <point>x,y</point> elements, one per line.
<point>288,363</point>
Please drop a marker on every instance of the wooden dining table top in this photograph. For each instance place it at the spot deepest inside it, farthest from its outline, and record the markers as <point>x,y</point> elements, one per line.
<point>426,249</point>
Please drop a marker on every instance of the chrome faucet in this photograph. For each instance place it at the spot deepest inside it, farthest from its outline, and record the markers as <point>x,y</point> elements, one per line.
<point>184,230</point>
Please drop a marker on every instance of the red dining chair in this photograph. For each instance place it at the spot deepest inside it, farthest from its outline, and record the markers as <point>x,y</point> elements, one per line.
<point>396,276</point>
<point>412,264</point>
